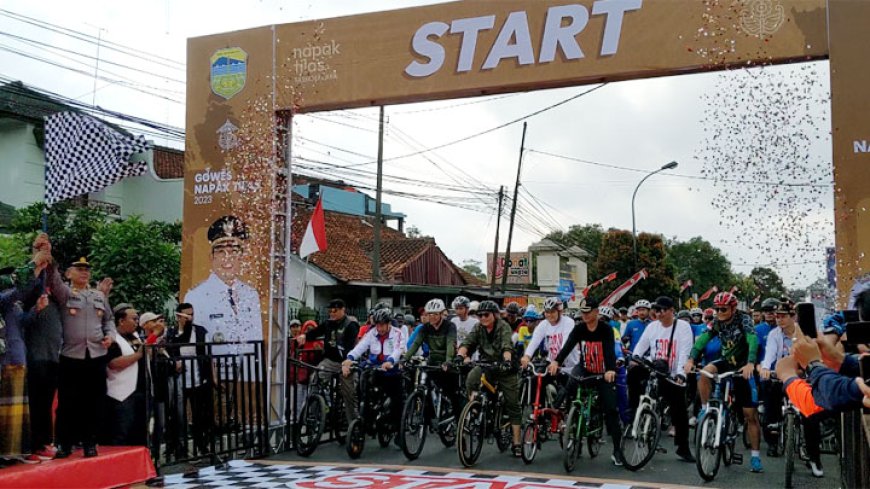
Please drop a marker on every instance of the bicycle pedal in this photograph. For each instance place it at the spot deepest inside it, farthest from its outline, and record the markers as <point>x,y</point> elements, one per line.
<point>661,450</point>
<point>737,459</point>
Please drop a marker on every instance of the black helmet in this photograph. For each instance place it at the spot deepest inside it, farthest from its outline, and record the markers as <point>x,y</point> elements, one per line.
<point>512,308</point>
<point>770,304</point>
<point>684,314</point>
<point>381,316</point>
<point>488,306</point>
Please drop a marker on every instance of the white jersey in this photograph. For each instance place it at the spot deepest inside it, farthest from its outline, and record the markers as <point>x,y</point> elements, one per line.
<point>463,328</point>
<point>778,346</point>
<point>656,338</point>
<point>555,336</point>
<point>386,348</point>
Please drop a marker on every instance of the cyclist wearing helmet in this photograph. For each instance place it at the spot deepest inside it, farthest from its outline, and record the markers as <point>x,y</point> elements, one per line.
<point>513,317</point>
<point>763,328</point>
<point>609,313</point>
<point>739,352</point>
<point>383,345</point>
<point>623,319</point>
<point>463,321</point>
<point>551,333</point>
<point>440,335</point>
<point>492,339</point>
<point>593,337</point>
<point>634,329</point>
<point>523,336</point>
<point>696,320</point>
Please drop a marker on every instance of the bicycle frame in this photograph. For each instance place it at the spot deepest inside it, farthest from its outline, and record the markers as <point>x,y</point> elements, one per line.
<point>585,401</point>
<point>719,402</point>
<point>537,408</point>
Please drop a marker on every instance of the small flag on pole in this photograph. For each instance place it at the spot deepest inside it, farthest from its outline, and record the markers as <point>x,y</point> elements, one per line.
<point>85,155</point>
<point>623,289</point>
<point>708,294</point>
<point>315,234</point>
<point>686,285</point>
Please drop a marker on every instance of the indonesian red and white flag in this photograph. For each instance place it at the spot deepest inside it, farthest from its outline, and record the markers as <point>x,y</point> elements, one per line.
<point>315,234</point>
<point>609,278</point>
<point>623,289</point>
<point>708,294</point>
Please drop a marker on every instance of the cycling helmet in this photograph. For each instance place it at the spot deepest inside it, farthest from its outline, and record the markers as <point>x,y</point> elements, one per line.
<point>382,316</point>
<point>725,299</point>
<point>409,319</point>
<point>709,312</point>
<point>435,305</point>
<point>684,314</point>
<point>632,312</point>
<point>488,306</point>
<point>473,306</point>
<point>399,317</point>
<point>696,311</point>
<point>512,308</point>
<point>531,314</point>
<point>460,301</point>
<point>553,303</point>
<point>642,304</point>
<point>606,311</point>
<point>623,310</point>
<point>770,305</point>
<point>381,305</point>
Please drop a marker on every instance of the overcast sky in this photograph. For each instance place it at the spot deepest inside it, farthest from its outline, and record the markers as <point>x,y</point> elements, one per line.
<point>639,124</point>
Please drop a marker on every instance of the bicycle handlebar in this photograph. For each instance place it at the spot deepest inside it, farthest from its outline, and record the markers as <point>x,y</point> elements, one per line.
<point>718,377</point>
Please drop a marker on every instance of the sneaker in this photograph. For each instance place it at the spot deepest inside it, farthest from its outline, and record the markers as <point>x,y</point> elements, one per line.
<point>62,452</point>
<point>817,469</point>
<point>685,455</point>
<point>693,421</point>
<point>45,454</point>
<point>755,465</point>
<point>29,459</point>
<point>616,458</point>
<point>672,432</point>
<point>517,450</point>
<point>90,451</point>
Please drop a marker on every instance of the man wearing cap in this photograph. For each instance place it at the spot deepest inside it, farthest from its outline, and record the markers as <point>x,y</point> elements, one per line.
<point>227,307</point>
<point>88,331</point>
<point>339,334</point>
<point>666,342</point>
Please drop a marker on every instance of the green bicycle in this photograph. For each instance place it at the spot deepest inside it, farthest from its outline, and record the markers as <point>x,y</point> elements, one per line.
<point>584,420</point>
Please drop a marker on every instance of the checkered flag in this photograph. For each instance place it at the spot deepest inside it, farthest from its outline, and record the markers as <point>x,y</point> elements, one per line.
<point>85,155</point>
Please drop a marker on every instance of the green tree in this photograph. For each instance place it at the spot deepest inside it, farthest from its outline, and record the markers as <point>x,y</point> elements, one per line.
<point>144,266</point>
<point>13,251</point>
<point>474,267</point>
<point>71,229</point>
<point>701,262</point>
<point>767,282</point>
<point>746,288</point>
<point>586,236</point>
<point>616,255</point>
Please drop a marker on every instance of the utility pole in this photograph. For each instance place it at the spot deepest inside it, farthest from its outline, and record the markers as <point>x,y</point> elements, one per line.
<point>376,251</point>
<point>507,253</point>
<point>495,248</point>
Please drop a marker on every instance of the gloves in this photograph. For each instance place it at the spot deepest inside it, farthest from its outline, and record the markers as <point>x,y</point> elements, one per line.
<point>505,366</point>
<point>458,361</point>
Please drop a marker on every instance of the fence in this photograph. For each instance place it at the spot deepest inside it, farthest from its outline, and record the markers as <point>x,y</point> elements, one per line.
<point>206,401</point>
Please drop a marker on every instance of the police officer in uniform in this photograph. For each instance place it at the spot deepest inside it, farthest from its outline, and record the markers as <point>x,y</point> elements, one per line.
<point>88,331</point>
<point>227,307</point>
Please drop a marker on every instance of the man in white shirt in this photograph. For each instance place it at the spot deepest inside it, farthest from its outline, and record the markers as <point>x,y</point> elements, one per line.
<point>463,320</point>
<point>667,342</point>
<point>553,330</point>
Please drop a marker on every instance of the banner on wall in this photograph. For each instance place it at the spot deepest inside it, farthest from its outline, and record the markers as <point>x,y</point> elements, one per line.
<point>519,268</point>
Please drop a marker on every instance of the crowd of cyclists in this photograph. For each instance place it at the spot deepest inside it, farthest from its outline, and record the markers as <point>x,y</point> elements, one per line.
<point>639,372</point>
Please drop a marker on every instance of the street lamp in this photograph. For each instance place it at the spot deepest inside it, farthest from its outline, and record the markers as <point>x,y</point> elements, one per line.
<point>669,166</point>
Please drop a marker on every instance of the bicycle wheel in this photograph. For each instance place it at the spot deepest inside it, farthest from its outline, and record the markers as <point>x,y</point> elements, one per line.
<point>356,439</point>
<point>573,440</point>
<point>471,432</point>
<point>530,442</point>
<point>728,444</point>
<point>384,431</point>
<point>339,421</point>
<point>447,423</point>
<point>790,443</point>
<point>501,427</point>
<point>639,447</point>
<point>412,431</point>
<point>312,419</point>
<point>594,432</point>
<point>706,452</point>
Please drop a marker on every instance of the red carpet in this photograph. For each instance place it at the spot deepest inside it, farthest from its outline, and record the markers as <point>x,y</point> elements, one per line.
<point>114,467</point>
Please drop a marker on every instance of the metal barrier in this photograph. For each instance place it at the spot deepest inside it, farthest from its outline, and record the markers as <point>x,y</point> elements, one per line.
<point>854,466</point>
<point>206,402</point>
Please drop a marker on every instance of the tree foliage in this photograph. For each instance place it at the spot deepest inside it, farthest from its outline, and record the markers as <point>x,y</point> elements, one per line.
<point>474,267</point>
<point>701,262</point>
<point>767,282</point>
<point>145,267</point>
<point>616,255</point>
<point>71,229</point>
<point>586,236</point>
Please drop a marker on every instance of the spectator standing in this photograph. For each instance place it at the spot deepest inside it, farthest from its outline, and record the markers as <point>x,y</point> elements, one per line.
<point>125,383</point>
<point>196,380</point>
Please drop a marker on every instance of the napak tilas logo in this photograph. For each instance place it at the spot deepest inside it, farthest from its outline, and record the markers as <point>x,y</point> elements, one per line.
<point>312,62</point>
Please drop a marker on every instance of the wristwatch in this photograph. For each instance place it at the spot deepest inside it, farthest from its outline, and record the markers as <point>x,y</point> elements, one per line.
<point>812,365</point>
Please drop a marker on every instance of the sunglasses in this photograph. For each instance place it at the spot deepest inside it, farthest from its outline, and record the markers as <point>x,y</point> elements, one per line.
<point>723,309</point>
<point>485,314</point>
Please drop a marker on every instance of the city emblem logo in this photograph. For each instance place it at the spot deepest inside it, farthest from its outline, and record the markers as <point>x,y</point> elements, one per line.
<point>229,69</point>
<point>762,18</point>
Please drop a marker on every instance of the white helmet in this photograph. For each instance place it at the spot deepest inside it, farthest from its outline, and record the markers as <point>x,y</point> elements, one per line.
<point>696,311</point>
<point>642,303</point>
<point>460,301</point>
<point>473,306</point>
<point>435,305</point>
<point>553,303</point>
<point>606,311</point>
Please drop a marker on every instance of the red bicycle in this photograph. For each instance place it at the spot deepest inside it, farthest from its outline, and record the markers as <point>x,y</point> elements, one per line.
<point>543,423</point>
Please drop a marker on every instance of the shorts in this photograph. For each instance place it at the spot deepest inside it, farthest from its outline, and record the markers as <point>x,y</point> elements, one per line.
<point>745,391</point>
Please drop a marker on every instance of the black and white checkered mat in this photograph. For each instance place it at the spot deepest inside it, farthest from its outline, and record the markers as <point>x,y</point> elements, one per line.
<point>247,474</point>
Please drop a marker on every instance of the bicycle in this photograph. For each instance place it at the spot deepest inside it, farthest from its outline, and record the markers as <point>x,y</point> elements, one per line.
<point>476,425</point>
<point>717,433</point>
<point>541,422</point>
<point>584,420</point>
<point>323,411</point>
<point>370,399</point>
<point>640,440</point>
<point>427,409</point>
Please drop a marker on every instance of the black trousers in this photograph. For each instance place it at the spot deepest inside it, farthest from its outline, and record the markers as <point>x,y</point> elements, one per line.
<point>126,424</point>
<point>201,401</point>
<point>673,395</point>
<point>81,390</point>
<point>449,384</point>
<point>42,385</point>
<point>813,434</point>
<point>606,400</point>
